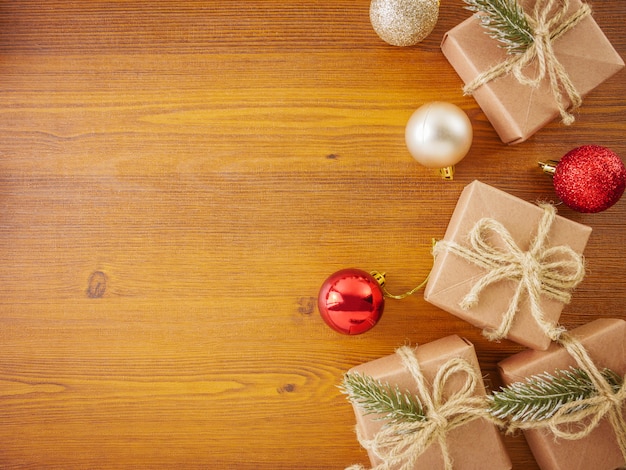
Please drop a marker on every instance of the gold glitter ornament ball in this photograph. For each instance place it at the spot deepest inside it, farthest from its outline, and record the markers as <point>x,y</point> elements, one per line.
<point>404,22</point>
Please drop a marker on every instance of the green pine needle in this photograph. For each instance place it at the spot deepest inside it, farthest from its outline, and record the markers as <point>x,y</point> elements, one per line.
<point>390,402</point>
<point>541,396</point>
<point>505,21</point>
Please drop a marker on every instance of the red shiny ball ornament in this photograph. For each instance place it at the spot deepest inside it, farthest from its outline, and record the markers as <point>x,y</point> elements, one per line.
<point>351,301</point>
<point>590,178</point>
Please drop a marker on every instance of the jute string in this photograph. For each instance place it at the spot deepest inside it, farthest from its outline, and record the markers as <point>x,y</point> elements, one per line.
<point>399,445</point>
<point>577,419</point>
<point>542,270</point>
<point>548,22</point>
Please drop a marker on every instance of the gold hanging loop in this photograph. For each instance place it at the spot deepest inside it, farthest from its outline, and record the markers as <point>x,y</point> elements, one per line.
<point>380,278</point>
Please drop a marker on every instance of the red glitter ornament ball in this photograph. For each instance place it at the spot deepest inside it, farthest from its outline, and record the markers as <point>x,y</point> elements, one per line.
<point>351,301</point>
<point>590,178</point>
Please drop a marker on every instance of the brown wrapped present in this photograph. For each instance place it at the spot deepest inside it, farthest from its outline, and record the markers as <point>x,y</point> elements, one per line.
<point>583,58</point>
<point>605,342</point>
<point>461,439</point>
<point>507,266</point>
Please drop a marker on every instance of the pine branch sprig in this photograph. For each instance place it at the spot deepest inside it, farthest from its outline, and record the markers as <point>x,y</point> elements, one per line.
<point>504,21</point>
<point>541,396</point>
<point>376,397</point>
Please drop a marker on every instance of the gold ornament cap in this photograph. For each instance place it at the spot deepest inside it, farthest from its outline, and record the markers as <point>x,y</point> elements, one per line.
<point>549,167</point>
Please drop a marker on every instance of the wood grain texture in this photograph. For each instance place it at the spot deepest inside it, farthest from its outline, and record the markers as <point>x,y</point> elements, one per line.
<point>177,178</point>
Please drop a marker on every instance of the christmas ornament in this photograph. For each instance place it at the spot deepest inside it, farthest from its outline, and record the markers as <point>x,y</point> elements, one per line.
<point>439,135</point>
<point>590,178</point>
<point>351,301</point>
<point>403,22</point>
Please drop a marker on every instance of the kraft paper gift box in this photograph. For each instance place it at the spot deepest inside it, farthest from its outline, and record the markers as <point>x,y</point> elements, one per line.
<point>605,341</point>
<point>452,277</point>
<point>475,445</point>
<point>516,110</point>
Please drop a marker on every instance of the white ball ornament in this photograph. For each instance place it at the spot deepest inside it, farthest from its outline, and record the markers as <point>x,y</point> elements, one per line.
<point>439,135</point>
<point>403,22</point>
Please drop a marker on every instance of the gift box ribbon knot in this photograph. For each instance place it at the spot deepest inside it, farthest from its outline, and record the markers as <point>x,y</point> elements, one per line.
<point>542,270</point>
<point>548,22</point>
<point>399,444</point>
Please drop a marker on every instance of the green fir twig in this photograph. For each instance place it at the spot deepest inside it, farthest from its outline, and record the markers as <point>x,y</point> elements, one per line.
<point>374,396</point>
<point>504,21</point>
<point>541,396</point>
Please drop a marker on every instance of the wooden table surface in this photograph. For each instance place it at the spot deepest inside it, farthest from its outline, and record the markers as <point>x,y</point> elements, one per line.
<point>177,179</point>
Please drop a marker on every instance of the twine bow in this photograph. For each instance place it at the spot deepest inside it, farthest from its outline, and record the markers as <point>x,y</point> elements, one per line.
<point>585,414</point>
<point>399,445</point>
<point>547,25</point>
<point>551,272</point>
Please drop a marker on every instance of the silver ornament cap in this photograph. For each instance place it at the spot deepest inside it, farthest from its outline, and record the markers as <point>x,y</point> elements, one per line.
<point>403,22</point>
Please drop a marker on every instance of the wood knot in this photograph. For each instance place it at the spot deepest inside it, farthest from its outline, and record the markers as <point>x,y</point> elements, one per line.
<point>96,285</point>
<point>286,388</point>
<point>306,305</point>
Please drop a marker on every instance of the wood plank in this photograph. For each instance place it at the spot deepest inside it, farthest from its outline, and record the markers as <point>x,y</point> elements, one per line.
<point>178,178</point>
